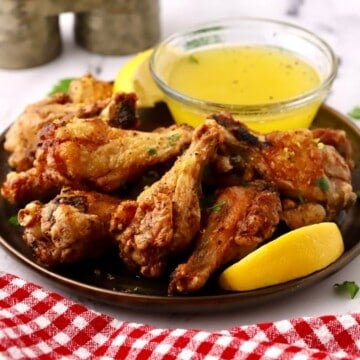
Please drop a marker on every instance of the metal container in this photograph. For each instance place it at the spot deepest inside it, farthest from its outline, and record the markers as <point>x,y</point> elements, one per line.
<point>30,36</point>
<point>122,27</point>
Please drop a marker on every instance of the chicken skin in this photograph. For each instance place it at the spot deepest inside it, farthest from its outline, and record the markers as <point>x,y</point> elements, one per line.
<point>241,219</point>
<point>165,217</point>
<point>311,176</point>
<point>90,154</point>
<point>71,227</point>
<point>87,89</point>
<point>23,136</point>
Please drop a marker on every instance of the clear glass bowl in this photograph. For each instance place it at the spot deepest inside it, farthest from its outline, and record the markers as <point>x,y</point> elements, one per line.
<point>293,112</point>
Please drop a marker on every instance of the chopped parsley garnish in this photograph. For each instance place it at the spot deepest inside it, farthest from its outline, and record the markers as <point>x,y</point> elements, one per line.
<point>173,139</point>
<point>358,194</point>
<point>347,287</point>
<point>355,113</point>
<point>193,59</point>
<point>301,199</point>
<point>61,87</point>
<point>13,220</point>
<point>217,206</point>
<point>151,151</point>
<point>322,183</point>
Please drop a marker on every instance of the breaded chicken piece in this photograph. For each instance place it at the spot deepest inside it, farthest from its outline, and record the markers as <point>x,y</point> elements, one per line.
<point>241,219</point>
<point>304,170</point>
<point>87,98</point>
<point>87,90</point>
<point>90,154</point>
<point>71,227</point>
<point>165,217</point>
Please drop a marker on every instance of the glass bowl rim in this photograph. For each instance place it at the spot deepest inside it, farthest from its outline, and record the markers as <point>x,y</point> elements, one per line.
<point>279,106</point>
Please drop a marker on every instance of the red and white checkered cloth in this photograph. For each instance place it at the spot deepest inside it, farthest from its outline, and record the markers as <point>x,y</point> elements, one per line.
<point>37,324</point>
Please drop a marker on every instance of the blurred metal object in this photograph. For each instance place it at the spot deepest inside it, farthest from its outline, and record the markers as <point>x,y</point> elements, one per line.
<point>30,36</point>
<point>26,39</point>
<point>123,27</point>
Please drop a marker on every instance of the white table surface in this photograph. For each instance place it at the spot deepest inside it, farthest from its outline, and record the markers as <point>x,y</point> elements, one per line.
<point>338,22</point>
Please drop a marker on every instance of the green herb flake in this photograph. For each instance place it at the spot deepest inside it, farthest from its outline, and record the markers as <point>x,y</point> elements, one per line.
<point>151,151</point>
<point>301,199</point>
<point>358,194</point>
<point>13,220</point>
<point>322,183</point>
<point>61,87</point>
<point>347,287</point>
<point>217,206</point>
<point>245,183</point>
<point>193,59</point>
<point>355,113</point>
<point>173,139</point>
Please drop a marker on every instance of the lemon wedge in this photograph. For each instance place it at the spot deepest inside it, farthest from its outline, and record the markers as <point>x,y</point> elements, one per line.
<point>135,76</point>
<point>293,255</point>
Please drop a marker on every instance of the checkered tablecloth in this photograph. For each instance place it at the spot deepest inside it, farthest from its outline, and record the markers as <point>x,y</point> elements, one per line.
<point>38,324</point>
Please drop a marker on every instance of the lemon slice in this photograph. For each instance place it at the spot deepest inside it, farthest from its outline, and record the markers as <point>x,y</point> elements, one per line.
<point>135,76</point>
<point>293,255</point>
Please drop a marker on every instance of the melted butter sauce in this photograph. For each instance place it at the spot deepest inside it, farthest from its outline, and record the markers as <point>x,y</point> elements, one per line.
<point>242,75</point>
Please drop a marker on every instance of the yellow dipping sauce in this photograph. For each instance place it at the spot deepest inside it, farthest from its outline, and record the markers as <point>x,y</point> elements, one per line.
<point>244,76</point>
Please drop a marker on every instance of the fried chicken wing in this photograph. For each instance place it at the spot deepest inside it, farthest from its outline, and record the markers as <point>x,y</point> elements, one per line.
<point>87,90</point>
<point>337,139</point>
<point>71,227</point>
<point>87,98</point>
<point>89,154</point>
<point>303,169</point>
<point>243,219</point>
<point>165,217</point>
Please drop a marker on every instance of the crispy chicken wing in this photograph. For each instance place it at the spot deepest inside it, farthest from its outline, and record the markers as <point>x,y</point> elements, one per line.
<point>164,219</point>
<point>337,139</point>
<point>87,90</point>
<point>304,169</point>
<point>22,138</point>
<point>243,219</point>
<point>71,227</point>
<point>89,154</point>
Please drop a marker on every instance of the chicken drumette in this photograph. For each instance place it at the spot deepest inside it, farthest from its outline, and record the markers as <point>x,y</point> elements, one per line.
<point>164,219</point>
<point>241,219</point>
<point>71,227</point>
<point>90,154</point>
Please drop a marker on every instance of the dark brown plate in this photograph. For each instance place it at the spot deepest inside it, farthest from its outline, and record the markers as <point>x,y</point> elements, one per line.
<point>105,280</point>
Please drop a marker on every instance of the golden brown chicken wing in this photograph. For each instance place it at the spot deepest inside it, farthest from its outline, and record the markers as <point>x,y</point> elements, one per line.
<point>241,219</point>
<point>87,90</point>
<point>71,227</point>
<point>87,98</point>
<point>304,169</point>
<point>89,154</point>
<point>164,219</point>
